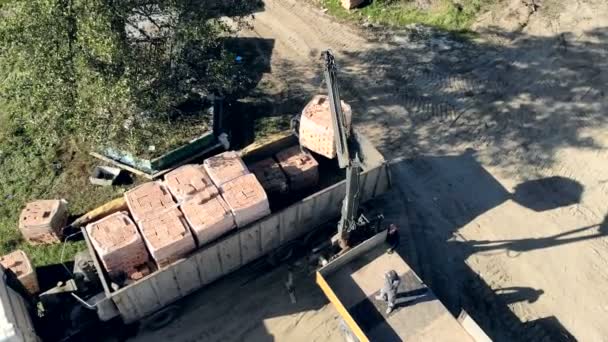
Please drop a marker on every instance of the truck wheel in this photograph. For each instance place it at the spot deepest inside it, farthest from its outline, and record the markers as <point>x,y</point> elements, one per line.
<point>161,318</point>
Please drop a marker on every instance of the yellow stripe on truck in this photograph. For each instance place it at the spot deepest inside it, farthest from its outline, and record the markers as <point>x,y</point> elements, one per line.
<point>329,293</point>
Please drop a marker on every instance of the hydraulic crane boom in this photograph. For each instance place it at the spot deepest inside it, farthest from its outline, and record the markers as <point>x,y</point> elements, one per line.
<point>342,138</point>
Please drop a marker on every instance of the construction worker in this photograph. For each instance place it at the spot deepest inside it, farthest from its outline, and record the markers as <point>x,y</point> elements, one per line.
<point>388,292</point>
<point>392,238</point>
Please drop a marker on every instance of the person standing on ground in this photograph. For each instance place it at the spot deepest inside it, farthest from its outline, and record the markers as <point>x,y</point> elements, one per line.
<point>388,292</point>
<point>392,238</point>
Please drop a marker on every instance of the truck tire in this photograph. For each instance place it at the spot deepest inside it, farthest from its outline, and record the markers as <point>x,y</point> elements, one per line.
<point>161,318</point>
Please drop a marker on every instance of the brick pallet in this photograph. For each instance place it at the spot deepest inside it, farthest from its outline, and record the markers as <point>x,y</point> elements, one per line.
<point>190,180</point>
<point>270,175</point>
<point>42,221</point>
<point>167,236</point>
<point>208,218</point>
<point>246,198</point>
<point>120,247</point>
<point>20,264</point>
<point>316,128</point>
<point>301,168</point>
<point>225,167</point>
<point>148,199</point>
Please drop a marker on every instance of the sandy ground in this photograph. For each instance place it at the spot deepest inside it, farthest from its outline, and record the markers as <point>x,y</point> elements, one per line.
<point>501,147</point>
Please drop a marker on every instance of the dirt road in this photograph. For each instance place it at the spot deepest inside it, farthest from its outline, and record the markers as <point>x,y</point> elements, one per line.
<point>502,172</point>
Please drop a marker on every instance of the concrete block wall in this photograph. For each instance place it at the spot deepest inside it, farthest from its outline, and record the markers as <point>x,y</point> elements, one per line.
<point>189,180</point>
<point>167,236</point>
<point>225,167</point>
<point>301,168</point>
<point>270,175</point>
<point>18,262</point>
<point>208,218</point>
<point>42,221</point>
<point>148,199</point>
<point>246,198</point>
<point>316,128</point>
<point>119,245</point>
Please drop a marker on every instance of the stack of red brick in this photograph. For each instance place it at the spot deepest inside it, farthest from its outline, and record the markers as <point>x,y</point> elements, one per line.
<point>167,236</point>
<point>190,180</point>
<point>119,246</point>
<point>225,167</point>
<point>20,264</point>
<point>270,175</point>
<point>316,127</point>
<point>43,221</point>
<point>301,168</point>
<point>208,218</point>
<point>246,198</point>
<point>163,227</point>
<point>148,198</point>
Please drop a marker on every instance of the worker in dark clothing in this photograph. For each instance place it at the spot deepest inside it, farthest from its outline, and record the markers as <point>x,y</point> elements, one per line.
<point>392,238</point>
<point>388,292</point>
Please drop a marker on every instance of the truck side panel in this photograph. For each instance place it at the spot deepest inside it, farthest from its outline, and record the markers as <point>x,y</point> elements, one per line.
<point>270,234</point>
<point>250,244</point>
<point>231,252</point>
<point>188,276</point>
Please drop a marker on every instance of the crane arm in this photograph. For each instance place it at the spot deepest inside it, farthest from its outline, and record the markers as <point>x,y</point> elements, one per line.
<point>341,131</point>
<point>342,136</point>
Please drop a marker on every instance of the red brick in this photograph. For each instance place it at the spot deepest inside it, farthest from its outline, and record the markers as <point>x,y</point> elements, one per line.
<point>189,180</point>
<point>208,218</point>
<point>148,199</point>
<point>246,198</point>
<point>20,264</point>
<point>225,167</point>
<point>316,128</point>
<point>119,244</point>
<point>270,175</point>
<point>301,168</point>
<point>42,221</point>
<point>167,236</point>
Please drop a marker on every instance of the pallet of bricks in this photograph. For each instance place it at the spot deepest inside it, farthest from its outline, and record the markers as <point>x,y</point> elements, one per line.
<point>42,221</point>
<point>19,263</point>
<point>194,205</point>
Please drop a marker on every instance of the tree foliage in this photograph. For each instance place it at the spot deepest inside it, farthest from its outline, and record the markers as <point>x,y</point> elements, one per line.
<point>109,70</point>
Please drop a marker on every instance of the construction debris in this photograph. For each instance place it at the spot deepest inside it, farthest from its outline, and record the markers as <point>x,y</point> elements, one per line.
<point>246,198</point>
<point>225,167</point>
<point>41,222</point>
<point>167,236</point>
<point>270,175</point>
<point>316,128</point>
<point>208,218</point>
<point>190,180</point>
<point>148,199</point>
<point>301,168</point>
<point>119,246</point>
<point>18,262</point>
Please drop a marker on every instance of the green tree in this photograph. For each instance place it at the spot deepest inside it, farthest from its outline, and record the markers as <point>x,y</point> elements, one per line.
<point>108,70</point>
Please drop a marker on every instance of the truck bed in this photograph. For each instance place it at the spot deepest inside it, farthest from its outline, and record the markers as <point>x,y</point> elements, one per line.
<point>353,280</point>
<point>290,221</point>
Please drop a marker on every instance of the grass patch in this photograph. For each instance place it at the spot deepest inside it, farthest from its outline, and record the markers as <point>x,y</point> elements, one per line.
<point>267,126</point>
<point>26,176</point>
<point>444,14</point>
